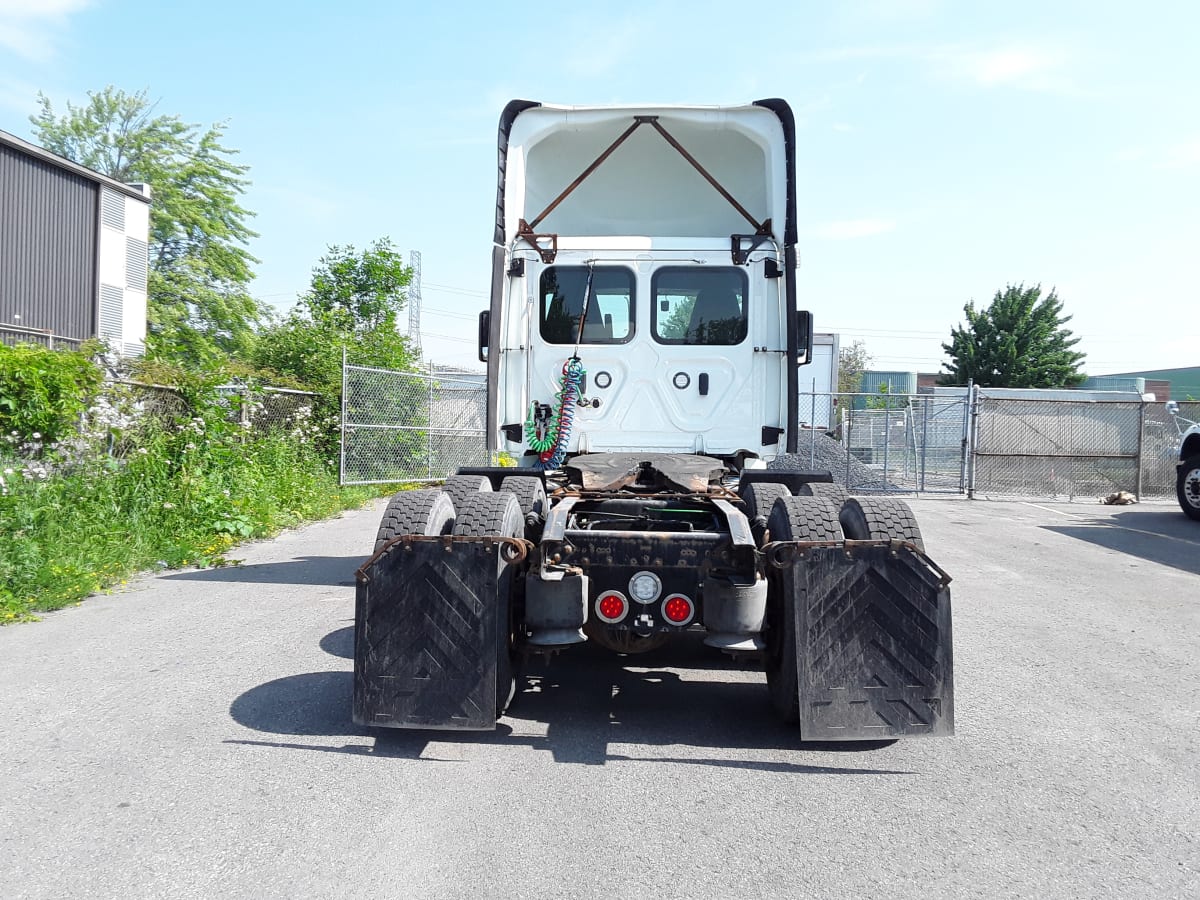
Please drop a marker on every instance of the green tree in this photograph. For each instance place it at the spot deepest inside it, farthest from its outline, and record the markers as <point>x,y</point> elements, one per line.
<point>852,362</point>
<point>1018,341</point>
<point>199,308</point>
<point>354,303</point>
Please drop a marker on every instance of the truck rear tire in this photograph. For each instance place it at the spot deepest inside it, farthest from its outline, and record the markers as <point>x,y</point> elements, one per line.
<point>1187,487</point>
<point>791,519</point>
<point>760,496</point>
<point>484,514</point>
<point>425,512</point>
<point>460,487</point>
<point>880,519</point>
<point>829,490</point>
<point>530,493</point>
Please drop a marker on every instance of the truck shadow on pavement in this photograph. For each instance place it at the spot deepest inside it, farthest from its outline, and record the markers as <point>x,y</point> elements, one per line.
<point>1168,538</point>
<point>586,701</point>
<point>330,570</point>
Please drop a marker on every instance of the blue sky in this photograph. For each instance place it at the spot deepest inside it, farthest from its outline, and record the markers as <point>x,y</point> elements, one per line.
<point>946,149</point>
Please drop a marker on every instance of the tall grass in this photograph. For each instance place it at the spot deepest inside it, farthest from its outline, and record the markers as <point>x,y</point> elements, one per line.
<point>81,516</point>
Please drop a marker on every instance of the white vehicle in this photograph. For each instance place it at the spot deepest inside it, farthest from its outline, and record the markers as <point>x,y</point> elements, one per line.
<point>1187,481</point>
<point>642,344</point>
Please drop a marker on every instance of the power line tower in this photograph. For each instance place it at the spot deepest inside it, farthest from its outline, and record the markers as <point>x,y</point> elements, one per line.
<point>414,300</point>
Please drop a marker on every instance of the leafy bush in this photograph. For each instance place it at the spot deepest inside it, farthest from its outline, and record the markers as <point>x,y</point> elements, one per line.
<point>133,493</point>
<point>43,393</point>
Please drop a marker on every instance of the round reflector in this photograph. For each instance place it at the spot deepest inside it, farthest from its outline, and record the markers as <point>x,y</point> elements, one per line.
<point>678,609</point>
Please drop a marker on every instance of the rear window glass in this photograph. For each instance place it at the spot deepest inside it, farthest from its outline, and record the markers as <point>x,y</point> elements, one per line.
<point>694,305</point>
<point>608,315</point>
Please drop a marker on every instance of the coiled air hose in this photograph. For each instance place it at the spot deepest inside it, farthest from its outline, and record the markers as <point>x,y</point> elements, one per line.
<point>551,444</point>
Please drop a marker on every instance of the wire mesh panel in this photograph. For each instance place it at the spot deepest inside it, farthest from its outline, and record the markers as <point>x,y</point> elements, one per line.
<point>909,443</point>
<point>1055,448</point>
<point>405,426</point>
<point>1160,446</point>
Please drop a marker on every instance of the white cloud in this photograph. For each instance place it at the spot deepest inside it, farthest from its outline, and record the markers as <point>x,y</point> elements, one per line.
<point>29,28</point>
<point>851,229</point>
<point>1025,66</point>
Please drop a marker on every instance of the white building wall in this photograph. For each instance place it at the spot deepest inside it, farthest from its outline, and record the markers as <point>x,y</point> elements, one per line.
<point>123,269</point>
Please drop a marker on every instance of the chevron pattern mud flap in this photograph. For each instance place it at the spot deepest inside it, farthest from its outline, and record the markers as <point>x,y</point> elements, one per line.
<point>874,649</point>
<point>425,637</point>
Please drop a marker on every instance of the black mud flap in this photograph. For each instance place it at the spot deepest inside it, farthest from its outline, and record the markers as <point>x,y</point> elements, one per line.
<point>425,636</point>
<point>874,652</point>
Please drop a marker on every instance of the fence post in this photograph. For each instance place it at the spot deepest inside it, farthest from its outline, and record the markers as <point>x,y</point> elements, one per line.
<point>972,436</point>
<point>924,440</point>
<point>342,441</point>
<point>849,412</point>
<point>429,426</point>
<point>812,428</point>
<point>1137,489</point>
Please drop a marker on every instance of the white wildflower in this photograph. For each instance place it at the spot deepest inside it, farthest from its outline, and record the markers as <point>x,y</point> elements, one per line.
<point>168,505</point>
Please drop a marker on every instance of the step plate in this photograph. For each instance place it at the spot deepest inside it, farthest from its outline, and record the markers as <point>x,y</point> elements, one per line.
<point>425,635</point>
<point>874,654</point>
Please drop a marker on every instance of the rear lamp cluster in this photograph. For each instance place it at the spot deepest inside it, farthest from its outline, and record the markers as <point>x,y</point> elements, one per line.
<point>613,606</point>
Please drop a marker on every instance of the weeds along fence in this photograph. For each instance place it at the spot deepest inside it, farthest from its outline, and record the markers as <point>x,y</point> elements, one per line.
<point>257,409</point>
<point>407,426</point>
<point>992,444</point>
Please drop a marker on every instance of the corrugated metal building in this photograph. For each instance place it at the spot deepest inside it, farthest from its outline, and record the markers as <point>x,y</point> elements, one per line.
<point>74,251</point>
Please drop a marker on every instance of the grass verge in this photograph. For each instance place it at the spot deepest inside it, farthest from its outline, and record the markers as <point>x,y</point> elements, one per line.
<point>180,498</point>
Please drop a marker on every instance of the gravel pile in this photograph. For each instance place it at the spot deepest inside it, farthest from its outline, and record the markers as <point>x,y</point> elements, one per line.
<point>832,456</point>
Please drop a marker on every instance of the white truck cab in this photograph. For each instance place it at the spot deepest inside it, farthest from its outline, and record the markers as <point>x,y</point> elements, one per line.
<point>654,246</point>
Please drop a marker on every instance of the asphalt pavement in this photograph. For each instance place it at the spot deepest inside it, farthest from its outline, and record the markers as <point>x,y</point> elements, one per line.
<point>191,737</point>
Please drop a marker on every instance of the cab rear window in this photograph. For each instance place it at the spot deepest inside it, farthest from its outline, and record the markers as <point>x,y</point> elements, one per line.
<point>607,316</point>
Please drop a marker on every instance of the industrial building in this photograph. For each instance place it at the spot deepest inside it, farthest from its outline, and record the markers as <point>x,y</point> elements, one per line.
<point>74,252</point>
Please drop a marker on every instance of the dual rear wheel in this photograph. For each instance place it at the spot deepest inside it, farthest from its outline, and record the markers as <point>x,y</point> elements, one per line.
<point>816,518</point>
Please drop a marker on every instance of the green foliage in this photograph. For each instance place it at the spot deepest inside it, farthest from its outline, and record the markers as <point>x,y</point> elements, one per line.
<point>852,362</point>
<point>354,304</point>
<point>1018,341</point>
<point>883,399</point>
<point>199,308</point>
<point>44,392</point>
<point>184,491</point>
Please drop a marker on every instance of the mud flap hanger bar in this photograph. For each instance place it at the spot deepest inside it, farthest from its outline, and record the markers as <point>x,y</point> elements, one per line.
<point>512,550</point>
<point>539,241</point>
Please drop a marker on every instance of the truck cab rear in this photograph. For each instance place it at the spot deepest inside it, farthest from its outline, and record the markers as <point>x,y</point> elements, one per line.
<point>642,344</point>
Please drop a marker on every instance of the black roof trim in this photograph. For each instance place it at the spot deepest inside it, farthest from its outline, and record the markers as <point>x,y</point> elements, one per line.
<point>511,111</point>
<point>784,112</point>
<point>61,162</point>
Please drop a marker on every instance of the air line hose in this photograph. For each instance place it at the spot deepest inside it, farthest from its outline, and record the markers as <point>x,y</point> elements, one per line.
<point>551,445</point>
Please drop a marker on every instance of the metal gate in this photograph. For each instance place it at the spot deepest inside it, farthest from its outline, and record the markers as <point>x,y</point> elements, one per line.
<point>410,426</point>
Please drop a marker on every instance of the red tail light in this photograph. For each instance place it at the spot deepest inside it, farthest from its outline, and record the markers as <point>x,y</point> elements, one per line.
<point>612,606</point>
<point>678,609</point>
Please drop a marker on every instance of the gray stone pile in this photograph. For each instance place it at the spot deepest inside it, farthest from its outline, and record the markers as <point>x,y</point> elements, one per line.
<point>826,453</point>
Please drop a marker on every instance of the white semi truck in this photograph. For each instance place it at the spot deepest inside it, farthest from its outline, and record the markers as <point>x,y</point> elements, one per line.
<point>643,345</point>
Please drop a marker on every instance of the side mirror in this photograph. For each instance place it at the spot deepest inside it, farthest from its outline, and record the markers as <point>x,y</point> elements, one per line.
<point>485,326</point>
<point>804,335</point>
<point>1172,407</point>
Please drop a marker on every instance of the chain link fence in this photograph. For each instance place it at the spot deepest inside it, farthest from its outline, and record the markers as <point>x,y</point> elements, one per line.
<point>407,426</point>
<point>258,409</point>
<point>1070,449</point>
<point>909,443</point>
